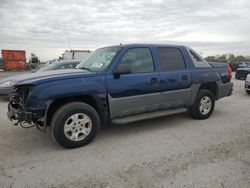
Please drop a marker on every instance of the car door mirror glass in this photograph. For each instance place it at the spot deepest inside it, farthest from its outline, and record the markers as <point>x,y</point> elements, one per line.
<point>122,69</point>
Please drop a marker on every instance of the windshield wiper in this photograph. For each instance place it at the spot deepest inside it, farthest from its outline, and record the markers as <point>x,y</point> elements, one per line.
<point>84,68</point>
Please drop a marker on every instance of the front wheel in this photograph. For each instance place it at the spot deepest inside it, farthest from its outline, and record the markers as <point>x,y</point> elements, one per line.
<point>75,124</point>
<point>248,92</point>
<point>203,106</point>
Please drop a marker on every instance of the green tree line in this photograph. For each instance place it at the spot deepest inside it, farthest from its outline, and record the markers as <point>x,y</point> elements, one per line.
<point>230,58</point>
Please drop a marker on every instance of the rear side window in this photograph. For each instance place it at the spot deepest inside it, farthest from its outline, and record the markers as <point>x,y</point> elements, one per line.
<point>198,61</point>
<point>195,56</point>
<point>171,59</point>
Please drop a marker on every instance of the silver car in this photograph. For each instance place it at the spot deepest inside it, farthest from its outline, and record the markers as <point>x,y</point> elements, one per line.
<point>6,84</point>
<point>247,84</point>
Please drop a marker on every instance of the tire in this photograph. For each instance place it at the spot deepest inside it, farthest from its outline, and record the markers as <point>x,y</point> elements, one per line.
<point>236,77</point>
<point>197,111</point>
<point>75,124</point>
<point>248,92</point>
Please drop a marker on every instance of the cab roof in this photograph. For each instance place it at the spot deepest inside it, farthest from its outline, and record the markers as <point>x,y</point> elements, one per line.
<point>147,45</point>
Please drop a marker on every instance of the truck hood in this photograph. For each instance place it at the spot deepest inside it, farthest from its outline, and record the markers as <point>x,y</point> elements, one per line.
<point>48,76</point>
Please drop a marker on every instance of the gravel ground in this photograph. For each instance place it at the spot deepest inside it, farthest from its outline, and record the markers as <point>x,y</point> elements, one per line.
<point>173,151</point>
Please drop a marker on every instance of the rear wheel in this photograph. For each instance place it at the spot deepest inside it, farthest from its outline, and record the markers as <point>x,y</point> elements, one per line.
<point>248,92</point>
<point>75,124</point>
<point>203,106</point>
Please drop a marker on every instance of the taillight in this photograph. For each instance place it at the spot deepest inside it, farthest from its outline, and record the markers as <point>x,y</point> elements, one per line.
<point>229,72</point>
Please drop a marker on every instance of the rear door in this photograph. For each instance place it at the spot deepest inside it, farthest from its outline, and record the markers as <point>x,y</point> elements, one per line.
<point>138,92</point>
<point>175,78</point>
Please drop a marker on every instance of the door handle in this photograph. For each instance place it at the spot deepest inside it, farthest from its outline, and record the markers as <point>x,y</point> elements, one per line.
<point>154,80</point>
<point>184,77</point>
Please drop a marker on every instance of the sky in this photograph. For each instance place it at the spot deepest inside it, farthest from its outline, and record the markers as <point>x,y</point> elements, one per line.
<point>48,28</point>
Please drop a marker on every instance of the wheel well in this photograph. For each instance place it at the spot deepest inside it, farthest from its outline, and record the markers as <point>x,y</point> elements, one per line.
<point>212,86</point>
<point>90,100</point>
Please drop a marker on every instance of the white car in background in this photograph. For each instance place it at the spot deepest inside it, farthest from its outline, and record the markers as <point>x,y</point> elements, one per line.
<point>247,84</point>
<point>7,84</point>
<point>76,54</point>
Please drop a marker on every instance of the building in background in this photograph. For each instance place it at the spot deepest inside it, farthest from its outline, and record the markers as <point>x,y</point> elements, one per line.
<point>75,54</point>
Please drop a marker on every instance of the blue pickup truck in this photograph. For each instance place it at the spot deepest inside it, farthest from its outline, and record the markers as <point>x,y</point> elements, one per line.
<point>118,84</point>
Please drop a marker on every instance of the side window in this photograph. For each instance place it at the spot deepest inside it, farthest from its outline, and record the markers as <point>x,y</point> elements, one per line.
<point>72,66</point>
<point>66,66</point>
<point>171,59</point>
<point>195,56</point>
<point>139,60</point>
<point>60,67</point>
<point>198,61</point>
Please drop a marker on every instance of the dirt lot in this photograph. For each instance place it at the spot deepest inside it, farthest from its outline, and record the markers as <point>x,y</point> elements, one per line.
<point>174,151</point>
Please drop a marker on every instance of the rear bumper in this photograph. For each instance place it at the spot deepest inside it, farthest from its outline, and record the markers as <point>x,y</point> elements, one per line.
<point>224,90</point>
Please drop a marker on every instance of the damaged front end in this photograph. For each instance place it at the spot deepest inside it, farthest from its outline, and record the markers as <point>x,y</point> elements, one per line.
<point>15,112</point>
<point>19,111</point>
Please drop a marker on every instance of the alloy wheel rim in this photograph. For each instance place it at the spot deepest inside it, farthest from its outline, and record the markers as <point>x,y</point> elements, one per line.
<point>205,105</point>
<point>77,127</point>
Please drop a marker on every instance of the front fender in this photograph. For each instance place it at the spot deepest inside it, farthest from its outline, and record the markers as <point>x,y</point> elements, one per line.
<point>42,94</point>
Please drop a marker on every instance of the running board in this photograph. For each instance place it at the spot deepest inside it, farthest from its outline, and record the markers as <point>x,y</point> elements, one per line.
<point>155,114</point>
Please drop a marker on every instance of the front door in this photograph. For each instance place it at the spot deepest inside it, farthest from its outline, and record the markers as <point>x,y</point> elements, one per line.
<point>138,92</point>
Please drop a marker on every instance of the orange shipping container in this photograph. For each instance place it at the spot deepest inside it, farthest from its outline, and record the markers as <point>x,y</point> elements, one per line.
<point>14,65</point>
<point>14,59</point>
<point>10,55</point>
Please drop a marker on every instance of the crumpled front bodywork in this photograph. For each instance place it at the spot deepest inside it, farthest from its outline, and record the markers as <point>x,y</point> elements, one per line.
<point>30,103</point>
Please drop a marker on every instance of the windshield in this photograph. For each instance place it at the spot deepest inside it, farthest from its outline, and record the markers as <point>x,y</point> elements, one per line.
<point>100,59</point>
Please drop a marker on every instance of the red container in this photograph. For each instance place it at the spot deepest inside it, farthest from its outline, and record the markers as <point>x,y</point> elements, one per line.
<point>14,65</point>
<point>10,55</point>
<point>14,59</point>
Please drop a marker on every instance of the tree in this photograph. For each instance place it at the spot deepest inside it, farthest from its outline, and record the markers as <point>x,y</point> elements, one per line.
<point>231,58</point>
<point>211,59</point>
<point>222,58</point>
<point>228,58</point>
<point>239,58</point>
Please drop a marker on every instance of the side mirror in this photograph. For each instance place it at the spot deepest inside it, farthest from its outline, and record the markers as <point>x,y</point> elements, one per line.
<point>122,69</point>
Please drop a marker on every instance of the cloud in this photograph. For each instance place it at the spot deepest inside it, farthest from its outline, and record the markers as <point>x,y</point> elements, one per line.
<point>48,27</point>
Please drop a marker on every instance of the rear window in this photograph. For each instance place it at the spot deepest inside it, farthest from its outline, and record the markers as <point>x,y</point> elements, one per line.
<point>171,59</point>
